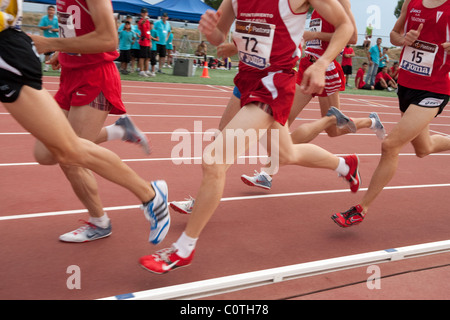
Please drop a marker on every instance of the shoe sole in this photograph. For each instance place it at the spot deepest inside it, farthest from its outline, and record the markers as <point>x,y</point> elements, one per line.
<point>357,174</point>
<point>251,184</point>
<point>177,209</point>
<point>152,271</point>
<point>334,218</point>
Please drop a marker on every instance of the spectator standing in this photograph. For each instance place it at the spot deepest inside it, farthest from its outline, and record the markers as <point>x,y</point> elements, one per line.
<point>169,48</point>
<point>374,56</point>
<point>347,62</point>
<point>135,47</point>
<point>49,24</point>
<point>126,39</point>
<point>153,50</point>
<point>144,43</point>
<point>384,59</point>
<point>164,30</point>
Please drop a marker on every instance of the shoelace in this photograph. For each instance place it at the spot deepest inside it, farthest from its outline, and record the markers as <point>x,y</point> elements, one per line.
<point>256,173</point>
<point>353,180</point>
<point>163,254</point>
<point>86,225</point>
<point>189,202</point>
<point>347,213</point>
<point>352,211</point>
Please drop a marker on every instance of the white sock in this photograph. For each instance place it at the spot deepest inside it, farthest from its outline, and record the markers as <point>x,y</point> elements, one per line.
<point>102,222</point>
<point>343,169</point>
<point>114,132</point>
<point>185,245</point>
<point>373,123</point>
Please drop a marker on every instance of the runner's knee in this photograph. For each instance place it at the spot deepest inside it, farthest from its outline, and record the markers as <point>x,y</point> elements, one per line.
<point>213,169</point>
<point>42,155</point>
<point>390,145</point>
<point>331,132</point>
<point>422,152</point>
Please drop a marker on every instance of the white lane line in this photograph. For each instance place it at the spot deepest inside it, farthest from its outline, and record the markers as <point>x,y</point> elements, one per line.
<point>239,198</point>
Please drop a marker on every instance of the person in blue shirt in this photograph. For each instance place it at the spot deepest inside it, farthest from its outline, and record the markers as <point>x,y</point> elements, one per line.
<point>374,56</point>
<point>164,30</point>
<point>49,24</point>
<point>384,60</point>
<point>135,47</point>
<point>169,48</point>
<point>153,49</point>
<point>126,39</point>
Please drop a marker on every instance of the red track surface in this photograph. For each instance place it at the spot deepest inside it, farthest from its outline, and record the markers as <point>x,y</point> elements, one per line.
<point>243,235</point>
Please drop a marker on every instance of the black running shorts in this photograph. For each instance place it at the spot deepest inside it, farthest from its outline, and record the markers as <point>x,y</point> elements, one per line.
<point>19,65</point>
<point>421,98</point>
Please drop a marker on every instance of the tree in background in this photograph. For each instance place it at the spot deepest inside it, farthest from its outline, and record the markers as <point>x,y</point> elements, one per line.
<point>213,3</point>
<point>398,9</point>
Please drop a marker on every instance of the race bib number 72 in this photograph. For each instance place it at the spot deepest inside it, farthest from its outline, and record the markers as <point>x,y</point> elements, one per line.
<point>254,41</point>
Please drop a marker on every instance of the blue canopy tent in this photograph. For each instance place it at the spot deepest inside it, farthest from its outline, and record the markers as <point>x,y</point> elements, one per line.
<point>135,6</point>
<point>185,10</point>
<point>122,6</point>
<point>53,2</point>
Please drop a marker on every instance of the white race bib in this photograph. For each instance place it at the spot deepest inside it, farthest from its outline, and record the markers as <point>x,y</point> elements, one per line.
<point>67,26</point>
<point>419,58</point>
<point>254,41</point>
<point>315,25</point>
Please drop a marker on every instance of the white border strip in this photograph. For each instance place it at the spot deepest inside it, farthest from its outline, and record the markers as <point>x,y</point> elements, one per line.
<point>206,288</point>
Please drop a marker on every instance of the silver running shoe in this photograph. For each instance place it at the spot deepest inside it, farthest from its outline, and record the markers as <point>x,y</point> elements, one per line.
<point>87,232</point>
<point>157,212</point>
<point>258,180</point>
<point>342,120</point>
<point>133,134</point>
<point>183,207</point>
<point>378,128</point>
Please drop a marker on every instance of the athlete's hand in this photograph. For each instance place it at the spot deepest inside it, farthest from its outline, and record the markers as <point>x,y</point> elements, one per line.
<point>446,46</point>
<point>54,61</point>
<point>308,36</point>
<point>412,35</point>
<point>41,43</point>
<point>208,22</point>
<point>226,50</point>
<point>313,80</point>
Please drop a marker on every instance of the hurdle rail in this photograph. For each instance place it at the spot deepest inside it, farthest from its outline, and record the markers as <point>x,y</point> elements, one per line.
<point>211,287</point>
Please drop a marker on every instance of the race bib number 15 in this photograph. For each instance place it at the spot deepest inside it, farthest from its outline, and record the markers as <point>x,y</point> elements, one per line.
<point>419,58</point>
<point>254,41</point>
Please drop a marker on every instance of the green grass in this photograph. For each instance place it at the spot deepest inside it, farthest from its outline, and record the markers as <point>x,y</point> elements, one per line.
<point>219,77</point>
<point>216,77</point>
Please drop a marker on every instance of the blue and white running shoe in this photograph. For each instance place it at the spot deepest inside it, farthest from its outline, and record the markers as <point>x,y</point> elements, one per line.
<point>378,127</point>
<point>133,134</point>
<point>87,232</point>
<point>260,179</point>
<point>157,212</point>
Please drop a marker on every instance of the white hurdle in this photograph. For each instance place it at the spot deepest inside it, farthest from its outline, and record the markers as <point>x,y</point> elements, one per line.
<point>206,288</point>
